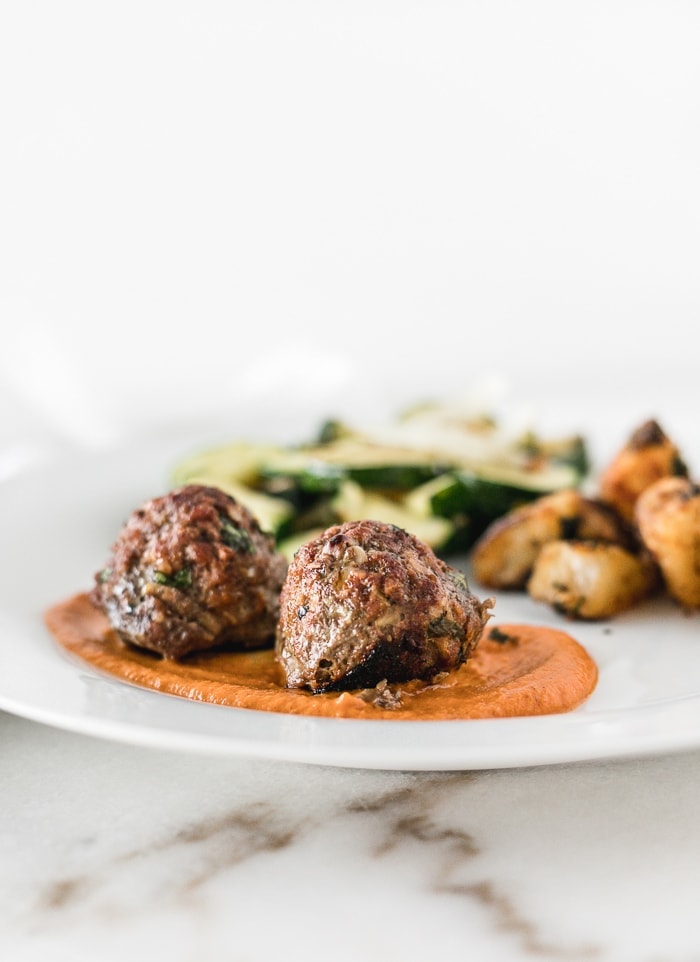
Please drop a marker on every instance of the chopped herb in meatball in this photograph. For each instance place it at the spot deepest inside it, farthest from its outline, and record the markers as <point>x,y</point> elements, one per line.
<point>367,602</point>
<point>190,571</point>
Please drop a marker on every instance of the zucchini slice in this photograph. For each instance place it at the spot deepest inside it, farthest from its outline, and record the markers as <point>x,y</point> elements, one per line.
<point>472,500</point>
<point>289,545</point>
<point>571,451</point>
<point>493,491</point>
<point>239,461</point>
<point>323,468</point>
<point>353,503</point>
<point>439,472</point>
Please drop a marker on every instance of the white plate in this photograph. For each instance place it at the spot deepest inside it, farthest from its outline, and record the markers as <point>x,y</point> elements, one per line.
<point>57,524</point>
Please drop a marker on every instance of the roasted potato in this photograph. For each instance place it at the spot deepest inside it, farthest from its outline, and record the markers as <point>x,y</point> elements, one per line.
<point>590,579</point>
<point>504,555</point>
<point>648,455</point>
<point>668,518</point>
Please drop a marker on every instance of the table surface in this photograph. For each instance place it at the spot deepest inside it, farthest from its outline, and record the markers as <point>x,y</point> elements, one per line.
<point>111,852</point>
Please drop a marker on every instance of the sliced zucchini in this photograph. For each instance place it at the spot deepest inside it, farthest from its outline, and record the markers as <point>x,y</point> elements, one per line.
<point>290,545</point>
<point>469,438</point>
<point>422,502</point>
<point>323,468</point>
<point>353,503</point>
<point>319,514</point>
<point>232,462</point>
<point>495,492</point>
<point>471,500</point>
<point>440,472</point>
<point>572,451</point>
<point>300,476</point>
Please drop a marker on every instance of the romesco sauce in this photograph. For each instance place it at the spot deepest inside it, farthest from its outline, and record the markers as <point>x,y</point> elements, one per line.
<point>516,670</point>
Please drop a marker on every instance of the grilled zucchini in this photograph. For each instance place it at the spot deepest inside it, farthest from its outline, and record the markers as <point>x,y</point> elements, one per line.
<point>434,473</point>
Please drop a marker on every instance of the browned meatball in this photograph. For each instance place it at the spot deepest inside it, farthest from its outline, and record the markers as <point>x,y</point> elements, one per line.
<point>366,601</point>
<point>189,571</point>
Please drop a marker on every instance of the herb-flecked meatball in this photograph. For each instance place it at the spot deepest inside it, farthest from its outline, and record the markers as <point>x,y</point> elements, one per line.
<point>367,601</point>
<point>189,571</point>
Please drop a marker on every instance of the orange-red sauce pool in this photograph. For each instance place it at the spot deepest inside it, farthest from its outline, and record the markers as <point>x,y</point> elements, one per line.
<point>516,670</point>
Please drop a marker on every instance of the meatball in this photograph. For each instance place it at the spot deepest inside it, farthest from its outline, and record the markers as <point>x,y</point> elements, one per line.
<point>190,571</point>
<point>366,602</point>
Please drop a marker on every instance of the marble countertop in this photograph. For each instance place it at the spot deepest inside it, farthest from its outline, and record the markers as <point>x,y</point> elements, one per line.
<point>111,852</point>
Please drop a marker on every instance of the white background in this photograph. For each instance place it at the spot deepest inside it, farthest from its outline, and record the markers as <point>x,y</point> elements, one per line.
<point>259,207</point>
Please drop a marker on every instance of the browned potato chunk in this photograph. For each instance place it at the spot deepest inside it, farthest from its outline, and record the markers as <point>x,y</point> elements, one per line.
<point>647,456</point>
<point>589,579</point>
<point>668,516</point>
<point>504,555</point>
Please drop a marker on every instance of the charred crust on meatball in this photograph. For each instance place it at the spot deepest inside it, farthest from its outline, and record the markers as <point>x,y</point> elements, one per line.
<point>190,571</point>
<point>367,602</point>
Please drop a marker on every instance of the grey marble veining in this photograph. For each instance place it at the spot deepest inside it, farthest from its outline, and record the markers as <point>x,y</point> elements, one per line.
<point>109,852</point>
